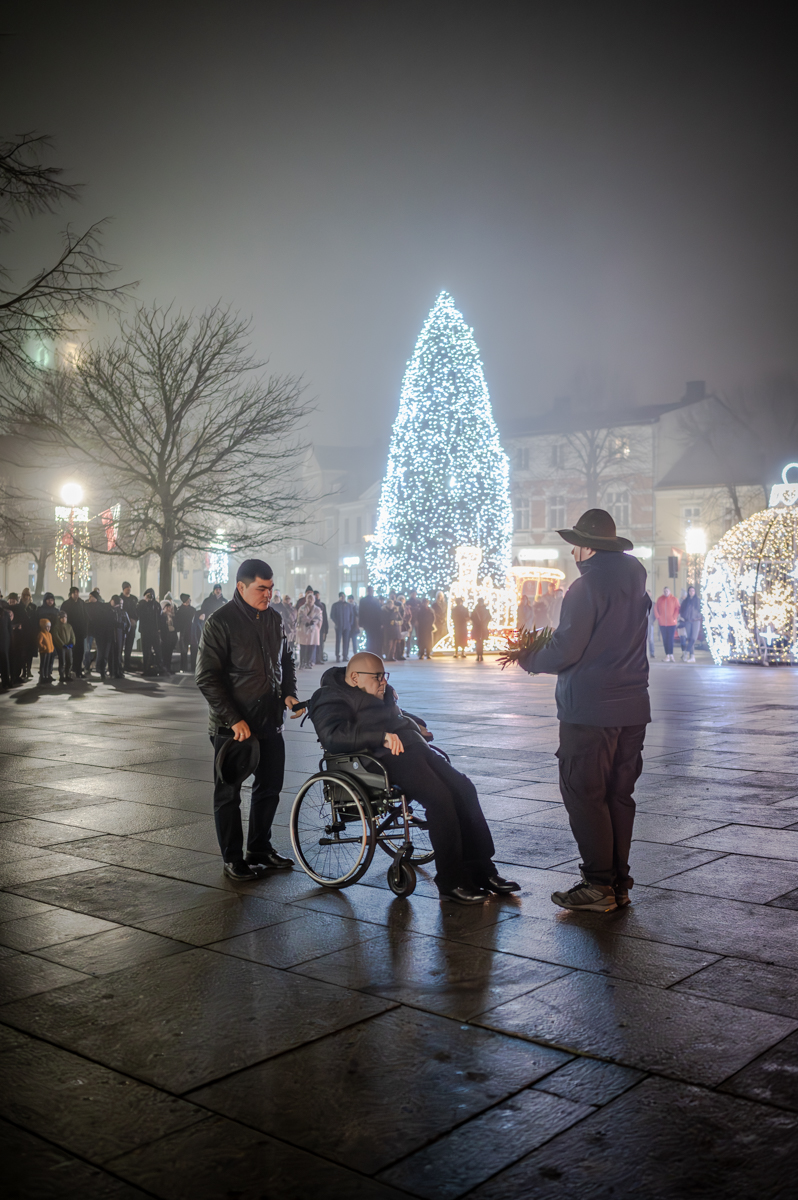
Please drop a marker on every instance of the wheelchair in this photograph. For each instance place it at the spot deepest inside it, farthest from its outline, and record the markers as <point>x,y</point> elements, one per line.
<point>344,812</point>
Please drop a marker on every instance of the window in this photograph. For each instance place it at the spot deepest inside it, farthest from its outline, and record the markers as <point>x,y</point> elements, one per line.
<point>619,509</point>
<point>521,513</point>
<point>618,448</point>
<point>346,531</point>
<point>358,529</point>
<point>691,516</point>
<point>556,512</point>
<point>558,456</point>
<point>522,458</point>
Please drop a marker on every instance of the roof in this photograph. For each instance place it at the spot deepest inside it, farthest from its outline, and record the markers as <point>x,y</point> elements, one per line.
<point>566,417</point>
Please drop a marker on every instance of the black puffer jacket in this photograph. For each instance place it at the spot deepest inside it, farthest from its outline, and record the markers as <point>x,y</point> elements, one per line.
<point>598,651</point>
<point>347,719</point>
<point>244,668</point>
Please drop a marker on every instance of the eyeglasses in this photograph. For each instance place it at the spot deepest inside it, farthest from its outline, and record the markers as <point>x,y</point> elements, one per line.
<point>378,675</point>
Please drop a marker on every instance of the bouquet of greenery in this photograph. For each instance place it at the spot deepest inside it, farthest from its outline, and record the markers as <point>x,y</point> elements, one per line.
<point>522,641</point>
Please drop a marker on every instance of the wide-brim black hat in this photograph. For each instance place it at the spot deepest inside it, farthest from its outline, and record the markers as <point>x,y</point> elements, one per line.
<point>236,761</point>
<point>595,529</point>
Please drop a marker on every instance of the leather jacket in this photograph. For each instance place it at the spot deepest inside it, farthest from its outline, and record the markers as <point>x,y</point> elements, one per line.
<point>347,719</point>
<point>244,668</point>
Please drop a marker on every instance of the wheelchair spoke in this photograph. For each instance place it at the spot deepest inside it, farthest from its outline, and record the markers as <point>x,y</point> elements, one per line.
<point>332,831</point>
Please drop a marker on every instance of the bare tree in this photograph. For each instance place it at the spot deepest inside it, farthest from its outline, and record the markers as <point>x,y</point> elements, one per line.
<point>606,458</point>
<point>174,422</point>
<point>26,526</point>
<point>57,302</point>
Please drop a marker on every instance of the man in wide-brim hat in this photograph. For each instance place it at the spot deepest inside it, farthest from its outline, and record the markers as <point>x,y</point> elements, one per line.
<point>598,653</point>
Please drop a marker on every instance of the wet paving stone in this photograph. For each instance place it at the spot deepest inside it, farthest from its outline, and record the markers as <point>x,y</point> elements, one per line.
<point>43,833</point>
<point>532,846</point>
<point>661,1141</point>
<point>652,862</point>
<point>139,855</point>
<point>304,935</point>
<point>21,975</point>
<point>602,949</point>
<point>45,929</point>
<point>433,974</point>
<point>44,865</point>
<point>123,816</point>
<point>14,851</point>
<point>772,1078</point>
<point>220,1158</point>
<point>749,984</point>
<point>684,1036</point>
<point>738,877</point>
<point>117,950</point>
<point>82,1107</point>
<point>590,1081</point>
<point>163,1022</point>
<point>437,1072</point>
<point>750,840</point>
<point>119,894</point>
<point>472,1153</point>
<point>35,1167</point>
<point>228,917</point>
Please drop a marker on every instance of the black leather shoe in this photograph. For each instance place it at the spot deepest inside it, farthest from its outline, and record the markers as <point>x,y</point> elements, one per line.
<point>502,886</point>
<point>241,872</point>
<point>270,858</point>
<point>462,895</point>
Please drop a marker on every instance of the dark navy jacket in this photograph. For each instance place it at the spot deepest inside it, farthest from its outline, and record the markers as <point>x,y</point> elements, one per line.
<point>348,719</point>
<point>598,651</point>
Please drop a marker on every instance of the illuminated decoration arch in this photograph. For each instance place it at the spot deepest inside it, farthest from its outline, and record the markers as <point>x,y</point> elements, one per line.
<point>502,602</point>
<point>749,596</point>
<point>447,480</point>
<point>72,561</point>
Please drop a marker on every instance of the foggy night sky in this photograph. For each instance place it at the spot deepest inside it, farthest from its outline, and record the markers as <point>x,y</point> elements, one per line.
<point>607,190</point>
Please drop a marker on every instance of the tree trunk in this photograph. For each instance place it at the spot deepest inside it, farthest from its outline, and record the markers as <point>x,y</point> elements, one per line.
<point>41,562</point>
<point>738,516</point>
<point>165,574</point>
<point>143,564</point>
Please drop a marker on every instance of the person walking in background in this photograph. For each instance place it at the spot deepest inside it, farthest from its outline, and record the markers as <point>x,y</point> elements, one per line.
<point>166,627</point>
<point>369,618</point>
<point>405,627</point>
<point>30,630</point>
<point>103,629</point>
<point>130,604</point>
<point>287,614</point>
<point>118,638</point>
<point>413,605</point>
<point>63,636</point>
<point>6,621</point>
<point>16,654</point>
<point>392,628</point>
<point>78,618</point>
<point>439,609</point>
<point>308,628</point>
<point>425,624</point>
<point>91,630</point>
<point>341,614</point>
<point>554,598</point>
<point>667,608</point>
<point>652,624</point>
<point>354,629</point>
<point>526,615</point>
<point>480,624</point>
<point>46,651</point>
<point>325,627</point>
<point>47,609</point>
<point>184,625</point>
<point>598,654</point>
<point>690,612</point>
<point>460,623</point>
<point>149,618</point>
<point>211,603</point>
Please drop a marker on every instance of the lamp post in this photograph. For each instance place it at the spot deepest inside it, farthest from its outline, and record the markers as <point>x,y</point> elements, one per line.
<point>71,494</point>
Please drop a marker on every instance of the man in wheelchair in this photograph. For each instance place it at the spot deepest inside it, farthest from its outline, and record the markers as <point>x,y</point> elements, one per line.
<point>356,709</point>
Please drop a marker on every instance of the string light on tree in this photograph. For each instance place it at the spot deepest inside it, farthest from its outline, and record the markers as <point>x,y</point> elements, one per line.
<point>217,560</point>
<point>750,587</point>
<point>72,537</point>
<point>447,480</point>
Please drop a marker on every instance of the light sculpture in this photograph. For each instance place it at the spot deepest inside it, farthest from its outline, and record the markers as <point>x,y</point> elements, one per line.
<point>749,599</point>
<point>217,560</point>
<point>447,479</point>
<point>72,559</point>
<point>502,602</point>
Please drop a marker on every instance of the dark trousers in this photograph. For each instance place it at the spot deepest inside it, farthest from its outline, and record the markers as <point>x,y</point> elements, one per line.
<point>374,641</point>
<point>340,637</point>
<point>64,662</point>
<point>45,665</point>
<point>117,654</point>
<point>667,632</point>
<point>130,638</point>
<point>351,637</point>
<point>424,645</point>
<point>599,767</point>
<point>5,667</point>
<point>151,650</point>
<point>103,653</point>
<point>457,827</point>
<point>78,651</point>
<point>268,781</point>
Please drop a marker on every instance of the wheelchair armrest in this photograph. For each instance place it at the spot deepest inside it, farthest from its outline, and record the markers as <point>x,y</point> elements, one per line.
<point>360,755</point>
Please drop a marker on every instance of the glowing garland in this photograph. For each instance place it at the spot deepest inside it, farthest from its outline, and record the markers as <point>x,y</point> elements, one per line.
<point>447,481</point>
<point>72,536</point>
<point>750,586</point>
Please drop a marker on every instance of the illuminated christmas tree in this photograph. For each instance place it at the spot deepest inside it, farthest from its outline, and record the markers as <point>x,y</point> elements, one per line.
<point>447,482</point>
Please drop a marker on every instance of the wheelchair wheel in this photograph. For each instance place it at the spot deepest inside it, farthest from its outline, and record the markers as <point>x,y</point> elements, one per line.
<point>402,878</point>
<point>393,837</point>
<point>332,830</point>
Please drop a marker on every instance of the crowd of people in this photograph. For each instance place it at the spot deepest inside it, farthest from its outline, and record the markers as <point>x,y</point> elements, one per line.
<point>676,618</point>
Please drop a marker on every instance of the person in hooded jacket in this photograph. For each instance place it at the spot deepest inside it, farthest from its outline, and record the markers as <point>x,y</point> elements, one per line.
<point>355,709</point>
<point>78,618</point>
<point>184,624</point>
<point>48,609</point>
<point>480,624</point>
<point>690,613</point>
<point>246,673</point>
<point>460,623</point>
<point>598,653</point>
<point>149,617</point>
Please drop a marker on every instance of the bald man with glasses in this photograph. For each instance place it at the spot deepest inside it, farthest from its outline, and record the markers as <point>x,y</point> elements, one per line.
<point>356,709</point>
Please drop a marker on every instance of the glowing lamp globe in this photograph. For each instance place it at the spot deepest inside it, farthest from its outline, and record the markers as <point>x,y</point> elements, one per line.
<point>72,494</point>
<point>749,599</point>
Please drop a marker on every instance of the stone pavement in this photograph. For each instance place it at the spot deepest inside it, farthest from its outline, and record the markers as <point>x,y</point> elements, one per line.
<point>166,1033</point>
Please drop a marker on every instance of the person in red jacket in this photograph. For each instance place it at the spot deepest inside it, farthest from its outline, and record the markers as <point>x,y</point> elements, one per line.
<point>667,610</point>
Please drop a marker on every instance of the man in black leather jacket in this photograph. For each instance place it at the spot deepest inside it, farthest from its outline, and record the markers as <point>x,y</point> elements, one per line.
<point>355,709</point>
<point>246,673</point>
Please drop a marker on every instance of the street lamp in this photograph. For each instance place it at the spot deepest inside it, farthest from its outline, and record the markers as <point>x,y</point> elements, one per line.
<point>72,494</point>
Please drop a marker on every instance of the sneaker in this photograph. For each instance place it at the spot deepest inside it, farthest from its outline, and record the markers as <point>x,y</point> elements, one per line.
<point>587,897</point>
<point>240,871</point>
<point>691,658</point>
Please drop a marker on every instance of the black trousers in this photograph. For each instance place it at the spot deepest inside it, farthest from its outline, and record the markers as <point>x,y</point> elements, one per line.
<point>130,638</point>
<point>104,644</point>
<point>151,650</point>
<point>599,767</point>
<point>268,781</point>
<point>457,827</point>
<point>64,662</point>
<point>78,651</point>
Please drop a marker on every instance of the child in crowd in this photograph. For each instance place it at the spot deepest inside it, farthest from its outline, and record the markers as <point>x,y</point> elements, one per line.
<point>63,636</point>
<point>46,652</point>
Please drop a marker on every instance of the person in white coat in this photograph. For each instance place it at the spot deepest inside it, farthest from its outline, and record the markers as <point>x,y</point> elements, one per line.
<point>308,629</point>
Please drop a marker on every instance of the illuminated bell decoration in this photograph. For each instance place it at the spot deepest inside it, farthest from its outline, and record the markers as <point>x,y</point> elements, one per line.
<point>749,596</point>
<point>447,479</point>
<point>501,602</point>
